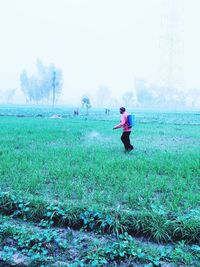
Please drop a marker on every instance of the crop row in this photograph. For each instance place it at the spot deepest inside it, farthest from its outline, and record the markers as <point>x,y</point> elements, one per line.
<point>154,224</point>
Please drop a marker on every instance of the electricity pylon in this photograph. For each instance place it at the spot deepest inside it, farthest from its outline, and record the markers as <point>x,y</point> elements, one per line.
<point>171,75</point>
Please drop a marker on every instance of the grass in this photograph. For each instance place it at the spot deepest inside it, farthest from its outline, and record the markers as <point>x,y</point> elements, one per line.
<point>81,161</point>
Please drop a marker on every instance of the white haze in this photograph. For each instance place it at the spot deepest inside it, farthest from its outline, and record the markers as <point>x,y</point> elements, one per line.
<point>96,44</point>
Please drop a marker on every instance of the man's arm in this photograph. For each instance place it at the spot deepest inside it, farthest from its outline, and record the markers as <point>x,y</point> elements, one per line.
<point>121,124</point>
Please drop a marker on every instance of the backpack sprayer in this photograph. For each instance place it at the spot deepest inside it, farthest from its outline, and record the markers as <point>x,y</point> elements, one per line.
<point>131,120</point>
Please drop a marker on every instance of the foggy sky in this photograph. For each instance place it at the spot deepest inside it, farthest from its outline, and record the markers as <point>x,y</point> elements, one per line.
<point>95,42</point>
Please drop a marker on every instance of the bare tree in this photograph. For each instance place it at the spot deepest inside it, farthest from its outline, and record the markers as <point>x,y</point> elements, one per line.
<point>39,86</point>
<point>86,103</point>
<point>9,94</point>
<point>128,99</point>
<point>103,96</point>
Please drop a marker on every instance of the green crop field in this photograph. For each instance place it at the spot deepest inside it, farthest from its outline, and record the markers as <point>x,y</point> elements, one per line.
<point>73,171</point>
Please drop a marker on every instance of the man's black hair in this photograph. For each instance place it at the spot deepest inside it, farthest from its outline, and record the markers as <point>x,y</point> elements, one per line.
<point>122,109</point>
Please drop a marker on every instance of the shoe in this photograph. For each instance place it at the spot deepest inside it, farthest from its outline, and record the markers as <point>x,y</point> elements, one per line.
<point>131,148</point>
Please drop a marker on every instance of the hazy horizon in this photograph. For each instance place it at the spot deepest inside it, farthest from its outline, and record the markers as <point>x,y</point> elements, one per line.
<point>101,44</point>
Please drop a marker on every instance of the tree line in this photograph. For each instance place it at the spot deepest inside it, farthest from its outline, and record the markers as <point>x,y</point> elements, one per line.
<point>47,82</point>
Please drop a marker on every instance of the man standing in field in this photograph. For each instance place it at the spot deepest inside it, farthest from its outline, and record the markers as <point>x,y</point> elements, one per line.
<point>125,138</point>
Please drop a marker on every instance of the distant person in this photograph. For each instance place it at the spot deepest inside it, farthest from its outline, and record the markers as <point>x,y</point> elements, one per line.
<point>125,138</point>
<point>107,111</point>
<point>76,112</point>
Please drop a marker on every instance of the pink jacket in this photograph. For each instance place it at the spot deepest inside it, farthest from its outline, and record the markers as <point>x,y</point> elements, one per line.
<point>123,124</point>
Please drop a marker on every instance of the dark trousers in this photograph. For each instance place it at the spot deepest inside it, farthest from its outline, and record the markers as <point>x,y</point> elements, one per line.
<point>126,140</point>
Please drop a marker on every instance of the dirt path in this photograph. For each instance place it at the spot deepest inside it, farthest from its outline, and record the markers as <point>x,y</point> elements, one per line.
<point>30,244</point>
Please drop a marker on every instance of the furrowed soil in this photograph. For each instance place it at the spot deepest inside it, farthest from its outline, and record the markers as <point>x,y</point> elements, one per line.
<point>31,244</point>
